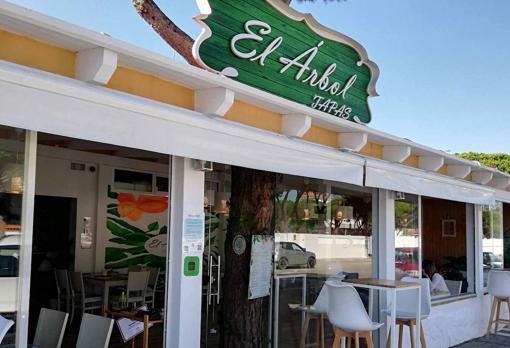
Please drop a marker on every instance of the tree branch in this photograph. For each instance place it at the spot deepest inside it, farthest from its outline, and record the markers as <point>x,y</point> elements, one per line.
<point>181,42</point>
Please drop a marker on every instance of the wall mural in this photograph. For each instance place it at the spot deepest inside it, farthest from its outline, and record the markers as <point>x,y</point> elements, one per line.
<point>137,224</point>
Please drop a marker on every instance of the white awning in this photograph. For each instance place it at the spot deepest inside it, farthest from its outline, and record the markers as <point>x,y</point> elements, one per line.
<point>396,177</point>
<point>503,196</point>
<point>39,101</point>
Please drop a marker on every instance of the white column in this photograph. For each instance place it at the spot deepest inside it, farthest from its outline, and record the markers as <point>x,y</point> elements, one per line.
<point>184,293</point>
<point>470,244</point>
<point>478,221</point>
<point>27,220</point>
<point>386,241</point>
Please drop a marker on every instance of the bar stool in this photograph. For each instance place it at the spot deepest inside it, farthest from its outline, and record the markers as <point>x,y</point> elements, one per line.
<point>406,311</point>
<point>347,314</point>
<point>499,289</point>
<point>317,311</point>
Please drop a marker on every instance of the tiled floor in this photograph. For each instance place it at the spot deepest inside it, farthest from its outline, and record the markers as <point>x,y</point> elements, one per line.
<point>502,339</point>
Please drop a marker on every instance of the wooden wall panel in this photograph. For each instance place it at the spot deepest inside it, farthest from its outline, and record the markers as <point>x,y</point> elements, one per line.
<point>435,246</point>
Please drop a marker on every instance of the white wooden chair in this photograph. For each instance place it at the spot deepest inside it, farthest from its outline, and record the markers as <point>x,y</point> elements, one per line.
<point>51,326</point>
<point>152,283</point>
<point>82,300</point>
<point>95,331</point>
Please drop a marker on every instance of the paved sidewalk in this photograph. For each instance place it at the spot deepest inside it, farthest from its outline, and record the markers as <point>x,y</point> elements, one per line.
<point>493,341</point>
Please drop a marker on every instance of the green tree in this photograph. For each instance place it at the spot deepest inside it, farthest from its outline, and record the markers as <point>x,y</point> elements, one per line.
<point>495,160</point>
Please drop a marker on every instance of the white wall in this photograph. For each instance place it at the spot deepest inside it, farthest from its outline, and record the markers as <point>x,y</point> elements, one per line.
<point>453,323</point>
<point>54,177</point>
<point>327,246</point>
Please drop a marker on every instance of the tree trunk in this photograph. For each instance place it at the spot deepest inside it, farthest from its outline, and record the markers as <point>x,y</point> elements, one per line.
<point>251,213</point>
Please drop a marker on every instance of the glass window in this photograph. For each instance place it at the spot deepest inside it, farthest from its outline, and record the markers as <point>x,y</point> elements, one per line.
<point>448,247</point>
<point>12,150</point>
<point>492,243</point>
<point>323,230</point>
<point>407,237</point>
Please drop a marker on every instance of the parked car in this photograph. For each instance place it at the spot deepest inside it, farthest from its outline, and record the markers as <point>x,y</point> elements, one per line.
<point>492,261</point>
<point>406,260</point>
<point>289,254</point>
<point>9,263</point>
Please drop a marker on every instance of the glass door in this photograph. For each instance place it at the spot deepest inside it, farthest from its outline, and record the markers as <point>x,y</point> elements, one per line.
<point>216,214</point>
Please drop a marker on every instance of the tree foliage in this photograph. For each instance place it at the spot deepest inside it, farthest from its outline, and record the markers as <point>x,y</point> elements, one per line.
<point>495,160</point>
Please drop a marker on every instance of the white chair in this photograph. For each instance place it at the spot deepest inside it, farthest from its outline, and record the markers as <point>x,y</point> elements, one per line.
<point>5,325</point>
<point>95,331</point>
<point>318,311</point>
<point>151,285</point>
<point>454,286</point>
<point>51,326</point>
<point>406,310</point>
<point>64,292</point>
<point>81,299</point>
<point>136,287</point>
<point>347,314</point>
<point>499,288</point>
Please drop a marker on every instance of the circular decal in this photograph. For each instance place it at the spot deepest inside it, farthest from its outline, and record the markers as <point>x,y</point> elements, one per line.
<point>239,244</point>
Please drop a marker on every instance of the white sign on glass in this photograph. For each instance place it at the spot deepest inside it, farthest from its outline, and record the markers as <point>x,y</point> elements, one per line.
<point>261,266</point>
<point>194,229</point>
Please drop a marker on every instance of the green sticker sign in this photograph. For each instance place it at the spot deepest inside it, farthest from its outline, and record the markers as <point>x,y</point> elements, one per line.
<point>270,46</point>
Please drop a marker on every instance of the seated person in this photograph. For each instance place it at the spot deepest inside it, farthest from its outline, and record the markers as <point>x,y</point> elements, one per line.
<point>437,283</point>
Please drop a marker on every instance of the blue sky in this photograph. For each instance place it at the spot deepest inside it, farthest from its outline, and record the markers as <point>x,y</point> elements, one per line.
<point>445,65</point>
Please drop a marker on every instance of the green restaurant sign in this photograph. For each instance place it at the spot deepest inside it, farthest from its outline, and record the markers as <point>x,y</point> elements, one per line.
<point>270,46</point>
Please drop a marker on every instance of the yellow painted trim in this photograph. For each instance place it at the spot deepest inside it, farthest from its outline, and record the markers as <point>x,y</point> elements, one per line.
<point>412,161</point>
<point>253,116</point>
<point>151,87</point>
<point>26,51</point>
<point>322,136</point>
<point>443,170</point>
<point>372,150</point>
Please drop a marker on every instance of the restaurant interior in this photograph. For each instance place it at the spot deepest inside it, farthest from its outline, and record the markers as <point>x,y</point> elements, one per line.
<point>99,233</point>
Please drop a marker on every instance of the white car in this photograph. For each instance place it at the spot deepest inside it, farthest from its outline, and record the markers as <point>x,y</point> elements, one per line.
<point>290,254</point>
<point>9,263</point>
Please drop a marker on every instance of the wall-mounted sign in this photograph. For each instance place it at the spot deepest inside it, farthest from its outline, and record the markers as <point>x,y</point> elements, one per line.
<point>193,237</point>
<point>239,244</point>
<point>270,46</point>
<point>261,266</point>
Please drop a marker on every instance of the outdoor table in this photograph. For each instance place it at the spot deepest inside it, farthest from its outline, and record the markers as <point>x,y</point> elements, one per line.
<point>106,282</point>
<point>132,315</point>
<point>391,286</point>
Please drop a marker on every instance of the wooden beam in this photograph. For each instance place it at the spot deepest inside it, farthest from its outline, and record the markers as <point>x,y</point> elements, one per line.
<point>296,125</point>
<point>430,163</point>
<point>214,101</point>
<point>481,177</point>
<point>352,141</point>
<point>459,171</point>
<point>396,153</point>
<point>96,65</point>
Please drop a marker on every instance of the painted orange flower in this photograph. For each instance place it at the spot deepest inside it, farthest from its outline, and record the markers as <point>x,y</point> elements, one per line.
<point>132,208</point>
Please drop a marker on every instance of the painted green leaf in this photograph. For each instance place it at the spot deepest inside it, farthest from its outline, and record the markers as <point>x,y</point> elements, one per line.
<point>114,254</point>
<point>163,230</point>
<point>136,250</point>
<point>153,226</point>
<point>113,211</point>
<point>124,241</point>
<point>111,194</point>
<point>127,225</point>
<point>116,229</point>
<point>137,260</point>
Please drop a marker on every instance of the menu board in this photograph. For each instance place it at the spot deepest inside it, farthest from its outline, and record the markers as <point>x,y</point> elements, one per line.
<point>261,266</point>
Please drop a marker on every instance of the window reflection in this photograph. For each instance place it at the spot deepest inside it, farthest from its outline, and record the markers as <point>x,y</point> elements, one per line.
<point>492,243</point>
<point>407,237</point>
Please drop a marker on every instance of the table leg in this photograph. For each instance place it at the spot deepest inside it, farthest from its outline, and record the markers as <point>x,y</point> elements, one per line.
<point>105,295</point>
<point>393,299</point>
<point>145,331</point>
<point>418,318</point>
